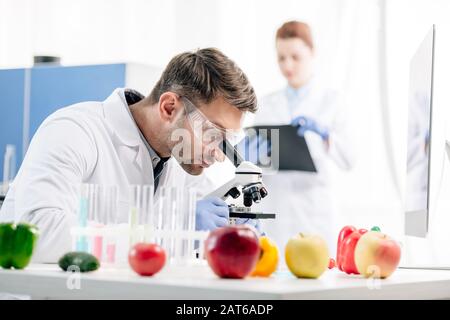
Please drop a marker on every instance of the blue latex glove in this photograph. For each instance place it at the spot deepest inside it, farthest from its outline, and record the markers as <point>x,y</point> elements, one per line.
<point>253,222</point>
<point>307,124</point>
<point>211,213</point>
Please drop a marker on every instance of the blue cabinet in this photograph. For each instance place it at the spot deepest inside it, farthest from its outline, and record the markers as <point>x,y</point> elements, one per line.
<point>50,88</point>
<point>56,87</point>
<point>11,112</point>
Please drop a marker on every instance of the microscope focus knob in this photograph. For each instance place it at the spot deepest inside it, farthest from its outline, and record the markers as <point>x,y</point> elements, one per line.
<point>247,200</point>
<point>263,192</point>
<point>234,193</point>
<point>255,196</point>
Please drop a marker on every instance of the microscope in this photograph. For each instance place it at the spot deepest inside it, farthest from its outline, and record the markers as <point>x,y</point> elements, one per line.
<point>246,184</point>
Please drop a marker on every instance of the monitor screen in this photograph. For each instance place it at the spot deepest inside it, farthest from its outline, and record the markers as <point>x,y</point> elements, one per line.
<point>419,128</point>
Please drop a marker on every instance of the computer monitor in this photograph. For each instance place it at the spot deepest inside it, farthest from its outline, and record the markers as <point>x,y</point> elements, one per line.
<point>419,146</point>
<point>427,188</point>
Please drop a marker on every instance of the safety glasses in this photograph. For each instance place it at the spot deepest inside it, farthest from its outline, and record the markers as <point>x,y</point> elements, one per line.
<point>208,132</point>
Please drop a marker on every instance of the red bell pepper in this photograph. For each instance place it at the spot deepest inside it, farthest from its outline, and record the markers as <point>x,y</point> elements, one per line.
<point>347,240</point>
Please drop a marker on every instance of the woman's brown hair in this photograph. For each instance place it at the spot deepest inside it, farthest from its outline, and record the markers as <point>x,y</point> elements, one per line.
<point>296,29</point>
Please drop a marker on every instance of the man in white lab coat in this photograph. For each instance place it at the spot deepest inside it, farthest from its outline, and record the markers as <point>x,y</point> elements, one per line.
<point>130,139</point>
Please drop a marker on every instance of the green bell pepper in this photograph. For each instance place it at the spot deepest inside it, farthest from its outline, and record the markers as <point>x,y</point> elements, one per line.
<point>17,243</point>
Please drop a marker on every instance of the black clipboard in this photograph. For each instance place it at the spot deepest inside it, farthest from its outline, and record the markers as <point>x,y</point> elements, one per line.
<point>293,150</point>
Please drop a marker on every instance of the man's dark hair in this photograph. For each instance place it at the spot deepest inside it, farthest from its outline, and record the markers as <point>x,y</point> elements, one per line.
<point>204,75</point>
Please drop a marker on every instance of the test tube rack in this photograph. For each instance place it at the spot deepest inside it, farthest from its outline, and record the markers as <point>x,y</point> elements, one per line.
<point>121,234</point>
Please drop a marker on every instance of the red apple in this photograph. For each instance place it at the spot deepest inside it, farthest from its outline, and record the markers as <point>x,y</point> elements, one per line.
<point>377,255</point>
<point>232,251</point>
<point>146,259</point>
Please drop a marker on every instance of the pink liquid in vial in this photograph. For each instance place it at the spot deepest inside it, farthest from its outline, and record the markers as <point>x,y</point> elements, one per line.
<point>98,247</point>
<point>111,252</point>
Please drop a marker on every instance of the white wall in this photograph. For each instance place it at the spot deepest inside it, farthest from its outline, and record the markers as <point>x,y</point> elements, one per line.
<point>87,31</point>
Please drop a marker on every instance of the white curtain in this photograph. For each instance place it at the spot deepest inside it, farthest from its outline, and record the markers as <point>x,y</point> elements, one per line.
<point>369,70</point>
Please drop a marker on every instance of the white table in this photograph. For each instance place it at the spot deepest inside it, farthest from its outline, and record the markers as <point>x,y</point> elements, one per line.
<point>48,282</point>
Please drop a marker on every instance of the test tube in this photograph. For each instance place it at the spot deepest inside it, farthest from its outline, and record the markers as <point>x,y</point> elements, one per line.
<point>166,217</point>
<point>81,244</point>
<point>191,208</point>
<point>132,215</point>
<point>96,217</point>
<point>9,167</point>
<point>111,215</point>
<point>180,223</point>
<point>98,208</point>
<point>159,210</point>
<point>185,222</point>
<point>141,213</point>
<point>148,212</point>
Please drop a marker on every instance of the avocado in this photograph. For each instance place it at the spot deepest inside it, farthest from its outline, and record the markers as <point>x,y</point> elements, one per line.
<point>85,262</point>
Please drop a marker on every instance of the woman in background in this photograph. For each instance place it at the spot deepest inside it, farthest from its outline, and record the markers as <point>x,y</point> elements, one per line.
<point>303,200</point>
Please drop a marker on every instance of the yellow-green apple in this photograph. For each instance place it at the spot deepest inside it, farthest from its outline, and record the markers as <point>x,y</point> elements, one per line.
<point>307,255</point>
<point>377,255</point>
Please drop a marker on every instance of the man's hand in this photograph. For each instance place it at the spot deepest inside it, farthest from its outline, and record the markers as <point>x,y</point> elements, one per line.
<point>211,213</point>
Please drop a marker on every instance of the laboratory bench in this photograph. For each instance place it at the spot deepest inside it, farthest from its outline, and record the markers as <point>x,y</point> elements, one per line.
<point>47,281</point>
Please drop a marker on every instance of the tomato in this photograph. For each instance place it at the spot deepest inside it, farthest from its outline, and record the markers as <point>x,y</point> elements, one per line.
<point>146,259</point>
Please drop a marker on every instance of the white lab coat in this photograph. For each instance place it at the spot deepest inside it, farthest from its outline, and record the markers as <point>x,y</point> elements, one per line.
<point>303,201</point>
<point>89,142</point>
